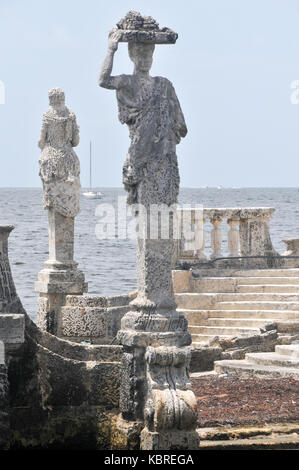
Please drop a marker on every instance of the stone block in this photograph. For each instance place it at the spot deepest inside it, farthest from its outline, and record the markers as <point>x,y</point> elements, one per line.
<point>202,358</point>
<point>169,440</point>
<point>181,281</point>
<point>114,317</point>
<point>84,321</point>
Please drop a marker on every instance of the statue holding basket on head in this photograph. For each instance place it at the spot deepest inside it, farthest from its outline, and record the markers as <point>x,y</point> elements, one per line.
<point>150,108</point>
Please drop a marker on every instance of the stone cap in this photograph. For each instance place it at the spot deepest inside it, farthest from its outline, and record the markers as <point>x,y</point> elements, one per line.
<point>6,228</point>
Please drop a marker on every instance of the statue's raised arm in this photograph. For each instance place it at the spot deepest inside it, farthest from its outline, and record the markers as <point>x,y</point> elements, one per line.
<point>106,80</point>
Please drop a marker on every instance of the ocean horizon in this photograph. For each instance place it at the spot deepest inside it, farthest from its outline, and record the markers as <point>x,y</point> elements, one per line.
<point>109,264</point>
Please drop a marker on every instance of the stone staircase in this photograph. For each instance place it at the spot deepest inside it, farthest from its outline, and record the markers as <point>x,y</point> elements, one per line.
<point>284,362</point>
<point>241,304</point>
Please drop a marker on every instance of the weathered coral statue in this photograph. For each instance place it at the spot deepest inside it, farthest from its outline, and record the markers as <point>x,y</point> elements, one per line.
<point>151,110</point>
<point>59,172</point>
<point>59,164</point>
<point>155,390</point>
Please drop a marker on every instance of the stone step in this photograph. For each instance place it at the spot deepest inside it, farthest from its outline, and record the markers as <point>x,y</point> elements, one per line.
<point>223,330</point>
<point>272,359</point>
<point>289,272</point>
<point>203,301</point>
<point>214,284</point>
<point>196,316</point>
<point>233,322</point>
<point>290,350</point>
<point>195,300</point>
<point>259,305</point>
<point>230,284</point>
<point>284,297</point>
<point>288,326</point>
<point>280,442</point>
<point>244,369</point>
<point>268,288</point>
<point>268,280</point>
<point>198,340</point>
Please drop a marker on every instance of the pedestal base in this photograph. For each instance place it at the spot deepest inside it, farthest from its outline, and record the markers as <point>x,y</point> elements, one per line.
<point>53,286</point>
<point>125,435</point>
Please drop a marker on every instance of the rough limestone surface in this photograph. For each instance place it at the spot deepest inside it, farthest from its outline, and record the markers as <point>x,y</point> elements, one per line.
<point>60,175</point>
<point>4,408</point>
<point>62,394</point>
<point>9,300</point>
<point>54,393</point>
<point>93,318</point>
<point>154,335</point>
<point>59,164</point>
<point>137,28</point>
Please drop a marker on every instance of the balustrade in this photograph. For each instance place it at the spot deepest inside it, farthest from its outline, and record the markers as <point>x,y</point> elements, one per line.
<point>247,235</point>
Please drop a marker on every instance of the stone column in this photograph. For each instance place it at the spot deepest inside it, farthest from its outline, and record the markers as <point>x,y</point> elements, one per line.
<point>60,276</point>
<point>191,240</point>
<point>254,232</point>
<point>233,238</point>
<point>8,295</point>
<point>201,251</point>
<point>216,237</point>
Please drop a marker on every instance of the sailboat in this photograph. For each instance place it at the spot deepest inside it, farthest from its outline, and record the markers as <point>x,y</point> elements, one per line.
<point>91,194</point>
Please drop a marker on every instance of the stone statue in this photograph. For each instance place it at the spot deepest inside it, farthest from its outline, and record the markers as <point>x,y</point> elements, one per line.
<point>59,164</point>
<point>156,395</point>
<point>150,108</point>
<point>59,169</point>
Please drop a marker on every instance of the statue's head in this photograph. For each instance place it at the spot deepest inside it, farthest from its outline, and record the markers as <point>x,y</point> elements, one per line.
<point>56,98</point>
<point>141,55</point>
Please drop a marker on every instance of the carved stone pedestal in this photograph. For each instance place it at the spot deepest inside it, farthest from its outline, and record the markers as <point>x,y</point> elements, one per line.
<point>155,385</point>
<point>60,277</point>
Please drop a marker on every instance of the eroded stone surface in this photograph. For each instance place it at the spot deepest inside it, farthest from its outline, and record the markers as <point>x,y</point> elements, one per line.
<point>59,165</point>
<point>153,334</point>
<point>60,174</point>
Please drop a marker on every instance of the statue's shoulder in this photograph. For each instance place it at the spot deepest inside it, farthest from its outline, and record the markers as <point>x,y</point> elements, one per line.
<point>164,85</point>
<point>71,114</point>
<point>163,81</point>
<point>48,115</point>
<point>125,80</point>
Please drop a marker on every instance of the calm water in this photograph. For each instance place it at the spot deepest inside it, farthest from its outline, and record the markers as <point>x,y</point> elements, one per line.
<point>109,265</point>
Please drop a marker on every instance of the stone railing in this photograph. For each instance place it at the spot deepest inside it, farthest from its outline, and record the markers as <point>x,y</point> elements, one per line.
<point>248,233</point>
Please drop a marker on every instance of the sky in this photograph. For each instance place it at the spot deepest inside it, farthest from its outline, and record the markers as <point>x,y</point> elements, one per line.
<point>232,68</point>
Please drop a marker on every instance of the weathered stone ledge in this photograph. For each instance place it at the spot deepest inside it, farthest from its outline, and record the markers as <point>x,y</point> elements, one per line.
<point>276,436</point>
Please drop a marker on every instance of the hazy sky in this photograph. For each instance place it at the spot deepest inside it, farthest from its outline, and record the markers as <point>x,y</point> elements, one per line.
<point>232,69</point>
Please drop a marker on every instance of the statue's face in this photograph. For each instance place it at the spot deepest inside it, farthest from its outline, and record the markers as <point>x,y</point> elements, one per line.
<point>142,55</point>
<point>56,102</point>
<point>56,98</point>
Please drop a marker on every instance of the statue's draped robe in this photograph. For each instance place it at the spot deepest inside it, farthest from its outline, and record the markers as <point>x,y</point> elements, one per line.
<point>155,119</point>
<point>59,166</point>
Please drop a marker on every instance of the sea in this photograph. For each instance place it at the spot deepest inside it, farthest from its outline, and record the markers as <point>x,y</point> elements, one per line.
<point>104,249</point>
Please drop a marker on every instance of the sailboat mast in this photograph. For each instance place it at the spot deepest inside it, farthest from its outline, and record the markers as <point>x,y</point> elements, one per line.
<point>90,166</point>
